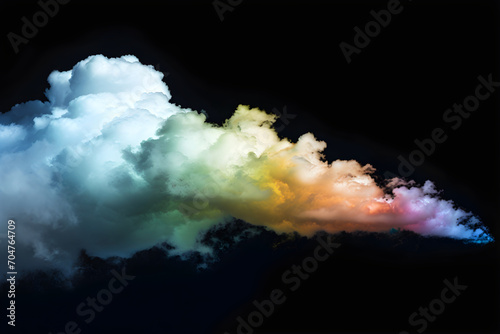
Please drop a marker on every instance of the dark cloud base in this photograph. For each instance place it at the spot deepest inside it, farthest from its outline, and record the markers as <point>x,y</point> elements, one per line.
<point>349,292</point>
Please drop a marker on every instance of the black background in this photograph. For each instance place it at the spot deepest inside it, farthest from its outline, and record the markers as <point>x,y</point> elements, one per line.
<point>271,54</point>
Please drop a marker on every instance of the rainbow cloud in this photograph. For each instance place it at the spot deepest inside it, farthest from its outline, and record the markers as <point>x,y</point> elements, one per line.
<point>109,165</point>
